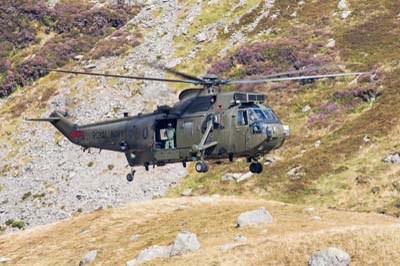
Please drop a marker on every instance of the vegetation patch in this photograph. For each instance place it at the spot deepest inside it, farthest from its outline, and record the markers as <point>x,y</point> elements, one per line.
<point>78,26</point>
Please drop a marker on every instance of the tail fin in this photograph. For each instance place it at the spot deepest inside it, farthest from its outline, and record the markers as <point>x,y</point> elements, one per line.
<point>66,127</point>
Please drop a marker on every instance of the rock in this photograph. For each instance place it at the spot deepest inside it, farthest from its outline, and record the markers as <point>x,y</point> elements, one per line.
<point>244,177</point>
<point>295,173</point>
<point>309,209</point>
<point>228,246</point>
<point>294,14</point>
<point>306,108</point>
<point>396,185</point>
<point>316,218</point>
<point>204,199</point>
<point>131,263</point>
<point>89,66</point>
<point>153,252</point>
<point>238,177</point>
<point>331,43</point>
<point>200,37</point>
<point>135,237</point>
<point>187,192</point>
<point>392,158</point>
<point>342,4</point>
<point>89,257</point>
<point>271,160</point>
<point>78,57</point>
<point>260,215</point>
<point>264,232</point>
<point>185,242</point>
<point>345,14</point>
<point>4,260</point>
<point>375,190</point>
<point>362,180</point>
<point>330,257</point>
<point>317,144</point>
<point>239,238</point>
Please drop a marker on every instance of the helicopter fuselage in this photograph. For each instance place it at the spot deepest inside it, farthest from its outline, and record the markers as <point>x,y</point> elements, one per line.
<point>206,127</point>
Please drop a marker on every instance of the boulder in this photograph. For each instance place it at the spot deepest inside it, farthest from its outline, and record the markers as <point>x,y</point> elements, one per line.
<point>153,252</point>
<point>342,4</point>
<point>306,108</point>
<point>135,237</point>
<point>78,57</point>
<point>345,14</point>
<point>238,177</point>
<point>331,43</point>
<point>4,260</point>
<point>228,246</point>
<point>131,263</point>
<point>200,37</point>
<point>89,257</point>
<point>240,238</point>
<point>89,66</point>
<point>317,144</point>
<point>330,257</point>
<point>185,242</point>
<point>260,215</point>
<point>187,192</point>
<point>392,158</point>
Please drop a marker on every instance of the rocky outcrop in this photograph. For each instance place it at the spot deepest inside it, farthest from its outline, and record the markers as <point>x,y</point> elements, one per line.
<point>258,216</point>
<point>185,242</point>
<point>330,257</point>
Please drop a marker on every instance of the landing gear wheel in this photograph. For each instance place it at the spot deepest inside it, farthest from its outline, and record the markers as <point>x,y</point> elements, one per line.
<point>201,167</point>
<point>259,168</point>
<point>256,168</point>
<point>129,177</point>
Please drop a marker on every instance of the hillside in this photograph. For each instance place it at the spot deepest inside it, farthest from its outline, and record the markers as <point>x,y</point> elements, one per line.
<point>291,238</point>
<point>341,130</point>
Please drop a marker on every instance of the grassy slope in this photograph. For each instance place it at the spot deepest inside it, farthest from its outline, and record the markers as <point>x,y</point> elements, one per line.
<point>368,37</point>
<point>291,237</point>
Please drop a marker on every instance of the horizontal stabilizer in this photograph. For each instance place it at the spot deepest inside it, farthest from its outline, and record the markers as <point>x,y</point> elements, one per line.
<point>49,119</point>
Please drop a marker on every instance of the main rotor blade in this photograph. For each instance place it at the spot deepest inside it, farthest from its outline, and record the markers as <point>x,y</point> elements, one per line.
<point>177,73</point>
<point>305,70</point>
<point>121,76</point>
<point>253,81</point>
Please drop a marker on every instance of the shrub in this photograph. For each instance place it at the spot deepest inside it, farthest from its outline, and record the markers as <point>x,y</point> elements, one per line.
<point>18,224</point>
<point>26,195</point>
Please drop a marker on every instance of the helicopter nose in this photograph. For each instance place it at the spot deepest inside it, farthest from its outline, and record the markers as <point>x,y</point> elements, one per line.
<point>286,130</point>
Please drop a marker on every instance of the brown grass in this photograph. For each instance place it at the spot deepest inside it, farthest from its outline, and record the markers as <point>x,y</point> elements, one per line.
<point>370,239</point>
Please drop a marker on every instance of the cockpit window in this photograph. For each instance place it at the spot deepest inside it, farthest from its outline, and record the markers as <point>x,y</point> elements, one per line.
<point>256,115</point>
<point>242,118</point>
<point>271,116</point>
<point>259,113</point>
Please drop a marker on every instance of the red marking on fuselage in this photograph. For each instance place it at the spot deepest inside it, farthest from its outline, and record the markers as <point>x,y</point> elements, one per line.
<point>76,134</point>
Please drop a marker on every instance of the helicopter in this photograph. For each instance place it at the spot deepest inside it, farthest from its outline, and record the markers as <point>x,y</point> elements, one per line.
<point>205,124</point>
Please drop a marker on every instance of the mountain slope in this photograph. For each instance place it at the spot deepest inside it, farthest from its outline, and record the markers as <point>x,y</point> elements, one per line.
<point>370,239</point>
<point>351,124</point>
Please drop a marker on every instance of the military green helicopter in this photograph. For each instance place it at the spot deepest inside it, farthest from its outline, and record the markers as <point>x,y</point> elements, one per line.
<point>205,124</point>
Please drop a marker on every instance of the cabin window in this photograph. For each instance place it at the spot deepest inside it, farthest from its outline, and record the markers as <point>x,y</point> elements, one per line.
<point>188,127</point>
<point>145,133</point>
<point>242,118</point>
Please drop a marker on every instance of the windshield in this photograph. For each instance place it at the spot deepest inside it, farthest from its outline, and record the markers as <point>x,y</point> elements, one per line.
<point>256,115</point>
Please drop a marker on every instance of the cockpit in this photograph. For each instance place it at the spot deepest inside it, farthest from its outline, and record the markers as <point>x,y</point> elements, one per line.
<point>257,117</point>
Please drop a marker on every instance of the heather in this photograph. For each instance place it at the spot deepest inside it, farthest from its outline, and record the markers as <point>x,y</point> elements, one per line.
<point>73,27</point>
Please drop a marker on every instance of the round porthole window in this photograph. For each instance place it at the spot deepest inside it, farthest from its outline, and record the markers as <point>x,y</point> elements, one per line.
<point>145,133</point>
